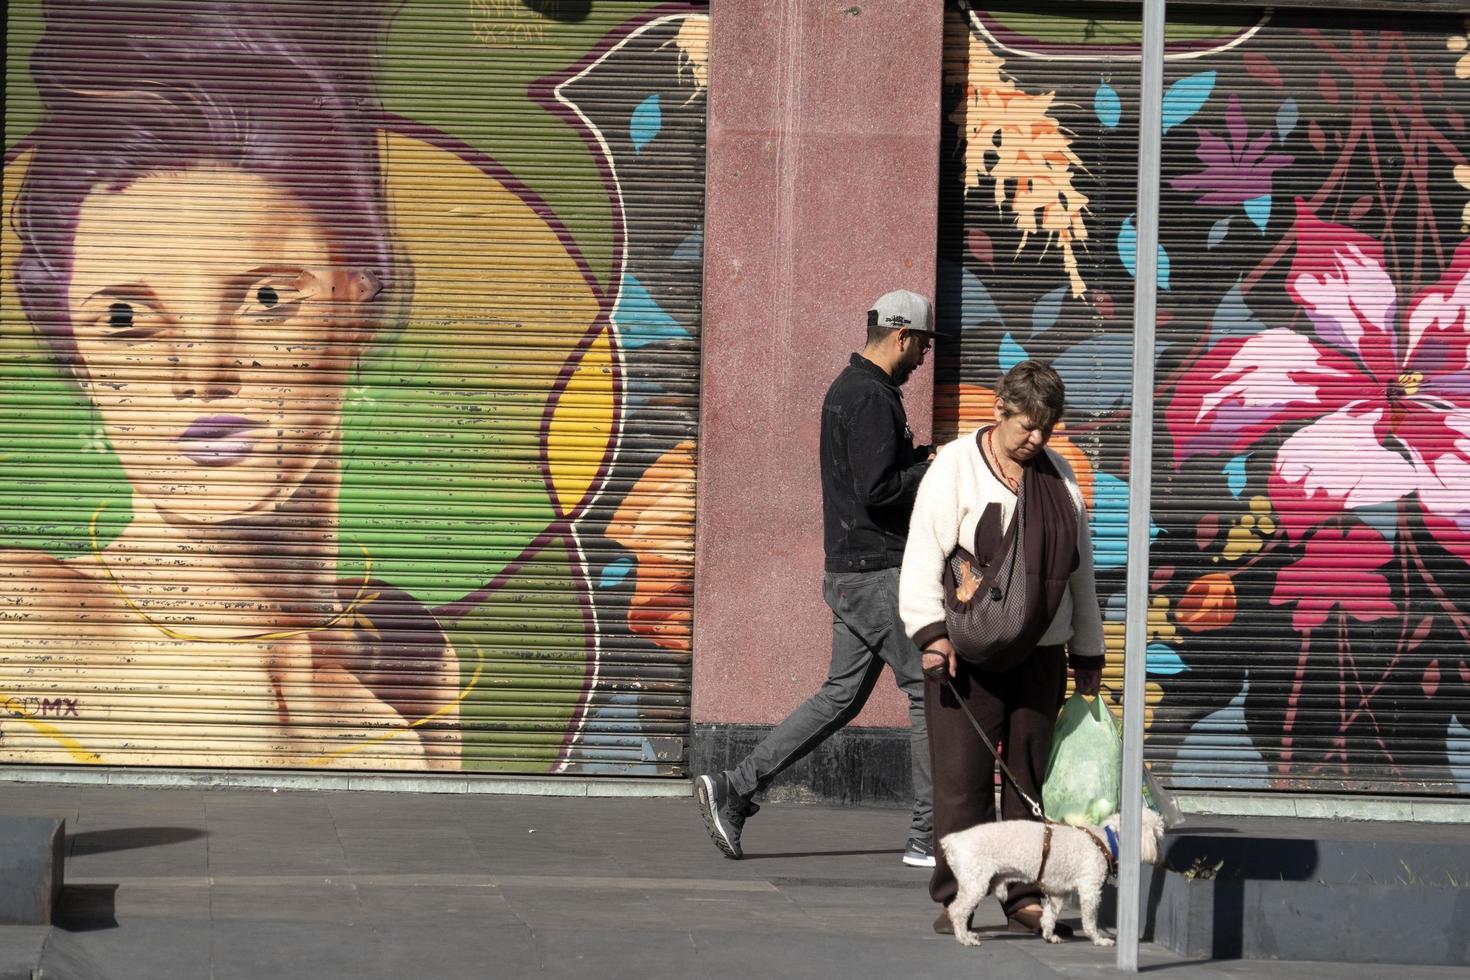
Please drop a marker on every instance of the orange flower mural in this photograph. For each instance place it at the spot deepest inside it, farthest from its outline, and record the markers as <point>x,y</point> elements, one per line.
<point>1208,603</point>
<point>656,522</point>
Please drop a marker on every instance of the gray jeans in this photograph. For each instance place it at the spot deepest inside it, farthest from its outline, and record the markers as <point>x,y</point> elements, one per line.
<point>866,634</point>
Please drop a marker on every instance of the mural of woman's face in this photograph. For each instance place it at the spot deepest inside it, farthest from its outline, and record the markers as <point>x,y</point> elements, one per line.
<point>215,335</point>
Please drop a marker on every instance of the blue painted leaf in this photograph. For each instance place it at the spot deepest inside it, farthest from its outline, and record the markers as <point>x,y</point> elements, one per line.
<point>639,318</point>
<point>1128,253</point>
<point>1286,118</point>
<point>1011,353</point>
<point>615,572</point>
<point>1233,318</point>
<point>1047,309</point>
<point>640,392</point>
<point>1109,522</point>
<point>1218,231</point>
<point>1162,659</point>
<point>1128,246</point>
<point>647,120</point>
<point>979,309</point>
<point>691,249</point>
<point>1107,105</point>
<point>975,308</point>
<point>1383,518</point>
<point>1219,751</point>
<point>1098,372</point>
<point>1258,209</point>
<point>619,727</point>
<point>1457,752</point>
<point>1185,97</point>
<point>1235,474</point>
<point>1109,519</point>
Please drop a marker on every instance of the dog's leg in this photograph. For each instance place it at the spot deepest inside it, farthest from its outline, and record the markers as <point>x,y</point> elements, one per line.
<point>971,882</point>
<point>1088,894</point>
<point>1051,907</point>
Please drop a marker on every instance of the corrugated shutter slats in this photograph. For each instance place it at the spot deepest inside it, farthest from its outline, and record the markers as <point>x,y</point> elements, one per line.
<point>348,384</point>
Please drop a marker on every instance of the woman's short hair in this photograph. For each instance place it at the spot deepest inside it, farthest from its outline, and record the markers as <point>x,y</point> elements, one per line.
<point>282,90</point>
<point>1033,389</point>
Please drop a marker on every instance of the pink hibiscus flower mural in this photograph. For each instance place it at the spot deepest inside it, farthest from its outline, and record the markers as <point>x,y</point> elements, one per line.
<point>1385,399</point>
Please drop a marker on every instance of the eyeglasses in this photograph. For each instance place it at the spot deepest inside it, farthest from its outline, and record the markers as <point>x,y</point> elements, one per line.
<point>927,339</point>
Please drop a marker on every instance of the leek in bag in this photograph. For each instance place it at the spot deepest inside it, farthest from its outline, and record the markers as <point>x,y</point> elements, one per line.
<point>1084,773</point>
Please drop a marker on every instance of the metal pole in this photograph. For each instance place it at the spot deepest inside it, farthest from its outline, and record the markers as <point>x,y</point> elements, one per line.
<point>1140,477</point>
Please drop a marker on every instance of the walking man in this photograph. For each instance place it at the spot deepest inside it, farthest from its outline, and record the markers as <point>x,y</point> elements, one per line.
<point>870,472</point>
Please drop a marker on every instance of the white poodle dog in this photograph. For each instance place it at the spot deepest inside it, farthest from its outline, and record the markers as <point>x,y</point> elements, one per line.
<point>1078,861</point>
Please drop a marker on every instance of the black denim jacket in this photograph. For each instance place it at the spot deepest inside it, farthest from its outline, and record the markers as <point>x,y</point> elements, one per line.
<point>870,470</point>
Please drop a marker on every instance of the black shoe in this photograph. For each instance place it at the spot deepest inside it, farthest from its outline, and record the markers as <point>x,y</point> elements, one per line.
<point>724,811</point>
<point>920,853</point>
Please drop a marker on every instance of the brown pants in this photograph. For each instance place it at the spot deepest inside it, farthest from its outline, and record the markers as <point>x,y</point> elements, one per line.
<point>1017,709</point>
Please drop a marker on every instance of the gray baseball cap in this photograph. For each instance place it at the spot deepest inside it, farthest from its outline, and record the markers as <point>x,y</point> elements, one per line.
<point>902,309</point>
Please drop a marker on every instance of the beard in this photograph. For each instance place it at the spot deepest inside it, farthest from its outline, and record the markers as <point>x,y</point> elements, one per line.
<point>905,368</point>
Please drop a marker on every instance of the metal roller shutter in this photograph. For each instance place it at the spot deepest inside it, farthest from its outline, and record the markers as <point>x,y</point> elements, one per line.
<point>348,383</point>
<point>1310,598</point>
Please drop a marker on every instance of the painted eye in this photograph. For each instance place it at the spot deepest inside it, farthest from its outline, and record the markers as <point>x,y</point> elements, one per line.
<point>124,321</point>
<point>267,297</point>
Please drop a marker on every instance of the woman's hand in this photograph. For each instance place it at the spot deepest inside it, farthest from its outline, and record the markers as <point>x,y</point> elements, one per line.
<point>939,655</point>
<point>1086,681</point>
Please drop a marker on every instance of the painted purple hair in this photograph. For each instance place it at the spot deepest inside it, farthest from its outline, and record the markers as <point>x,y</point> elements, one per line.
<point>283,90</point>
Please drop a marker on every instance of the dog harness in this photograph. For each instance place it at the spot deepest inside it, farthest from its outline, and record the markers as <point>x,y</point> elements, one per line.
<point>1045,851</point>
<point>1109,850</point>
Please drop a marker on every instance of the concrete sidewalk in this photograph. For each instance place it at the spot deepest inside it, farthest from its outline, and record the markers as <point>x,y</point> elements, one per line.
<point>232,883</point>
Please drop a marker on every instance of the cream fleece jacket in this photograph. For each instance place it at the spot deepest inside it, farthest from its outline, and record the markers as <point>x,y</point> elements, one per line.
<point>953,495</point>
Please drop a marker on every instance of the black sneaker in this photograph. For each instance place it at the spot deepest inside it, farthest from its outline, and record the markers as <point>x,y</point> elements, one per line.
<point>920,853</point>
<point>724,811</point>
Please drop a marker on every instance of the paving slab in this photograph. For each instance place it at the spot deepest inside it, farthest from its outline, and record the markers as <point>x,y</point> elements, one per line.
<point>250,950</point>
<point>170,948</point>
<point>417,906</point>
<point>302,902</point>
<point>462,951</point>
<point>20,950</point>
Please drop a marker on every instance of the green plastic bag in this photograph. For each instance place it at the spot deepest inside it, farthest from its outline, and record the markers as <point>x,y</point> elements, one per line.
<point>1084,773</point>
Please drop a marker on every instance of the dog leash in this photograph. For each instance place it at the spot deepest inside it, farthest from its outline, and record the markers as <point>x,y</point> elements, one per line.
<point>1036,810</point>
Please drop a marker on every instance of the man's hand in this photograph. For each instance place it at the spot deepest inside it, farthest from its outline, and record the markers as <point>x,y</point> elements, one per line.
<point>1087,681</point>
<point>938,656</point>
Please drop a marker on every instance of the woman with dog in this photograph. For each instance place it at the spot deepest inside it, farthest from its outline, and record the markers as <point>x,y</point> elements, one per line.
<point>976,489</point>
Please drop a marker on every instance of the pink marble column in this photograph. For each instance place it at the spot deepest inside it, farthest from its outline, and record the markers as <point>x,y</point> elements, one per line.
<point>822,183</point>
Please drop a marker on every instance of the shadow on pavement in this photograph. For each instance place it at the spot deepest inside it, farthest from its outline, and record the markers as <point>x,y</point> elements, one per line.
<point>128,838</point>
<point>805,854</point>
<point>87,908</point>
